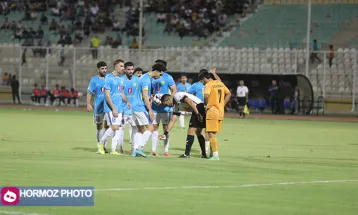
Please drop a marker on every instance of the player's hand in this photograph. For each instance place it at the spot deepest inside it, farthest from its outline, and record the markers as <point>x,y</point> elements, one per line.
<point>115,113</point>
<point>162,137</point>
<point>200,117</point>
<point>151,115</point>
<point>129,105</point>
<point>89,108</point>
<point>213,71</point>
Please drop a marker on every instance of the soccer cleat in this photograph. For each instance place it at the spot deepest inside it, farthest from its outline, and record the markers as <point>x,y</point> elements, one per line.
<point>167,154</point>
<point>140,153</point>
<point>105,150</point>
<point>153,154</point>
<point>202,156</point>
<point>213,159</point>
<point>100,149</point>
<point>184,156</point>
<point>115,153</point>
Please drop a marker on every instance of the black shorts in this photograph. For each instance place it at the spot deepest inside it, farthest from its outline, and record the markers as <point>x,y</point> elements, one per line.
<point>242,101</point>
<point>194,122</point>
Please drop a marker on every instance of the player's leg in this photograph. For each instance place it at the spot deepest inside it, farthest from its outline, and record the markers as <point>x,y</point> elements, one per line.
<point>190,136</point>
<point>113,123</point>
<point>213,126</point>
<point>141,121</point>
<point>166,117</point>
<point>207,142</point>
<point>181,120</point>
<point>116,125</point>
<point>155,123</point>
<point>121,133</point>
<point>150,128</point>
<point>105,127</point>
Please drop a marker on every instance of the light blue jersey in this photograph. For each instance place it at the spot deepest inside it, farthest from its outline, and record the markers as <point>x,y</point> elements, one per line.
<point>144,82</point>
<point>96,88</point>
<point>162,86</point>
<point>197,89</point>
<point>183,88</point>
<point>129,89</point>
<point>114,85</point>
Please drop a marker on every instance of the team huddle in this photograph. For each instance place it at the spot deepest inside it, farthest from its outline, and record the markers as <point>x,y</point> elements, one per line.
<point>143,101</point>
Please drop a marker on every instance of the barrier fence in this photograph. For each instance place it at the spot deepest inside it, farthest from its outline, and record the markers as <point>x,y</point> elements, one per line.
<point>73,67</point>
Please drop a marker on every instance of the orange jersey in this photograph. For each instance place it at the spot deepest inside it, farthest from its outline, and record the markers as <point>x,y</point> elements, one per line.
<point>216,91</point>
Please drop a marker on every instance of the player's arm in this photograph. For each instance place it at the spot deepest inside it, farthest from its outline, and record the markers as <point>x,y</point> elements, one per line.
<point>173,90</point>
<point>90,91</point>
<point>89,99</point>
<point>110,103</point>
<point>170,125</point>
<point>227,95</point>
<point>207,94</point>
<point>147,103</point>
<point>124,98</point>
<point>193,106</point>
<point>213,71</point>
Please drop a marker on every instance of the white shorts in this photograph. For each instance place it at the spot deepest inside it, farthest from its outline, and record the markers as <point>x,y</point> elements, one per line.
<point>128,119</point>
<point>141,118</point>
<point>98,118</point>
<point>111,120</point>
<point>163,117</point>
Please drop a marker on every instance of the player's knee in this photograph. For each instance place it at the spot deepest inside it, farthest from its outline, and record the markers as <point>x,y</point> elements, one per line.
<point>115,127</point>
<point>198,132</point>
<point>99,126</point>
<point>151,128</point>
<point>155,127</point>
<point>191,131</point>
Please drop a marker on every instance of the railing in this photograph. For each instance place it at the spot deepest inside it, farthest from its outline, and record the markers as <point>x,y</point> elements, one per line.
<point>79,65</point>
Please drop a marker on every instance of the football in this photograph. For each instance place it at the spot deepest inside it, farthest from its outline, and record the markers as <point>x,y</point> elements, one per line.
<point>156,99</point>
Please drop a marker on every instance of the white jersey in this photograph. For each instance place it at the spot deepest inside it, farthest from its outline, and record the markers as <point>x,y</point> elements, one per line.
<point>241,91</point>
<point>179,103</point>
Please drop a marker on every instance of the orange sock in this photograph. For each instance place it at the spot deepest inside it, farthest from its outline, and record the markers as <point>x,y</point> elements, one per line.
<point>214,144</point>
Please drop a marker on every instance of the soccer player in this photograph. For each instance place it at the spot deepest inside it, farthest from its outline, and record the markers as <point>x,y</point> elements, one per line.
<point>216,96</point>
<point>183,87</point>
<point>242,93</point>
<point>198,89</point>
<point>183,101</point>
<point>138,72</point>
<point>96,88</point>
<point>163,85</point>
<point>130,82</point>
<point>113,84</point>
<point>142,110</point>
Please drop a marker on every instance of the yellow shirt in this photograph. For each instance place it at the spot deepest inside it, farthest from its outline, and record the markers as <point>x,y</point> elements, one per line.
<point>216,91</point>
<point>95,42</point>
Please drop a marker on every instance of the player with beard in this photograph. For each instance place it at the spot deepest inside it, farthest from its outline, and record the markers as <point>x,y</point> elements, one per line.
<point>96,89</point>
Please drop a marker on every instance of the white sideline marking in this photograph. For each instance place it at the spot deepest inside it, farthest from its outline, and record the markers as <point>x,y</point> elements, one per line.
<point>19,213</point>
<point>225,187</point>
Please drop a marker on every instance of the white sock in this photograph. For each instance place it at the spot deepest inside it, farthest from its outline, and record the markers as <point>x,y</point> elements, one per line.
<point>137,141</point>
<point>106,135</point>
<point>133,135</point>
<point>215,154</point>
<point>145,138</point>
<point>154,141</point>
<point>121,138</point>
<point>207,146</point>
<point>181,121</point>
<point>115,140</point>
<point>166,144</point>
<point>130,134</point>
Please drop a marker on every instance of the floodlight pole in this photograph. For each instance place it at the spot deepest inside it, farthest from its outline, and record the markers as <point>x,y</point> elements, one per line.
<point>308,37</point>
<point>140,24</point>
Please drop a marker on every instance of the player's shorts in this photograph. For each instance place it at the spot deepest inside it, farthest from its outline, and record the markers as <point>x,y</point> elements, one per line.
<point>194,121</point>
<point>98,118</point>
<point>111,120</point>
<point>141,118</point>
<point>213,120</point>
<point>162,117</point>
<point>128,119</point>
<point>242,101</point>
<point>213,125</point>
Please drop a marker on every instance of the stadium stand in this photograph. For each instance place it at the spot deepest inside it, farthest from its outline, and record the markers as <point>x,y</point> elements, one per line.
<point>270,41</point>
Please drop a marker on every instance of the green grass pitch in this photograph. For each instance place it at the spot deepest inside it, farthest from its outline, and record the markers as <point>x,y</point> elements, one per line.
<point>48,148</point>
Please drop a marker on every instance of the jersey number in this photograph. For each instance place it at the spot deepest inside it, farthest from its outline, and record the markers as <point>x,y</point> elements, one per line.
<point>220,94</point>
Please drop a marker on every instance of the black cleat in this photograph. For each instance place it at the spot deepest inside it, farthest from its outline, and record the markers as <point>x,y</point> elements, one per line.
<point>184,156</point>
<point>105,150</point>
<point>203,156</point>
